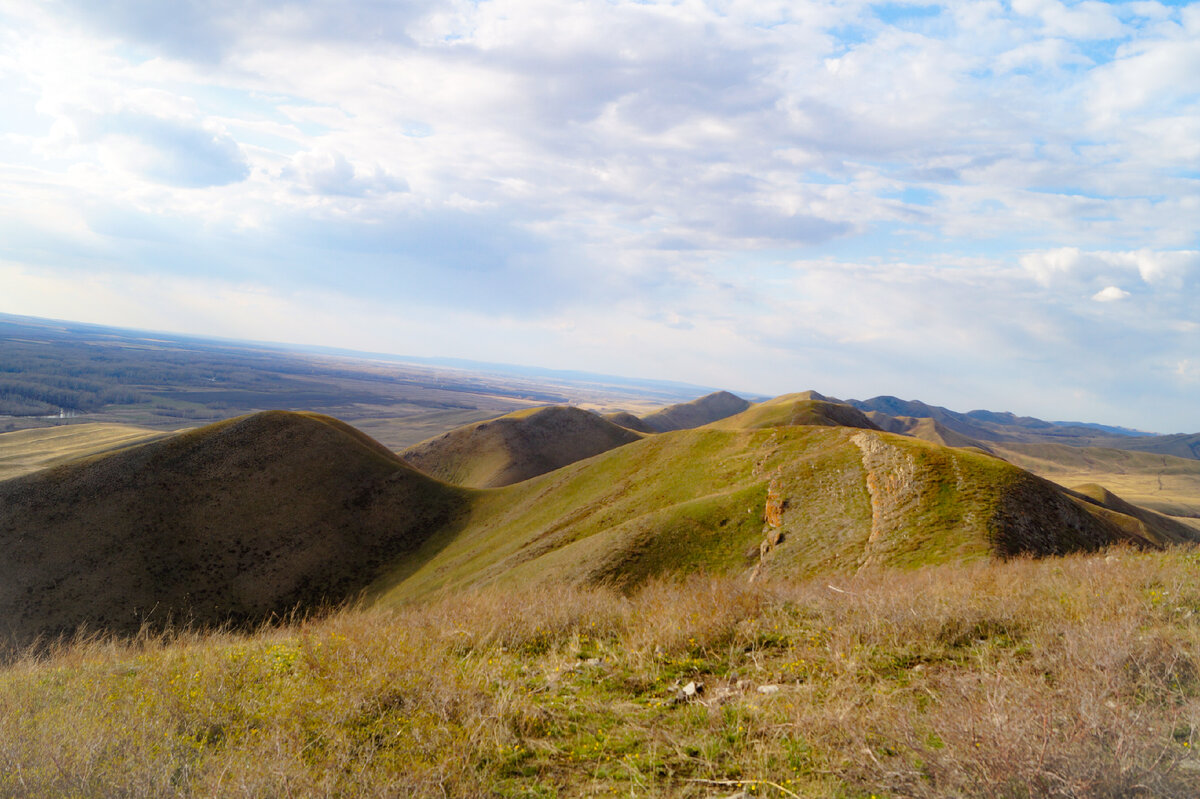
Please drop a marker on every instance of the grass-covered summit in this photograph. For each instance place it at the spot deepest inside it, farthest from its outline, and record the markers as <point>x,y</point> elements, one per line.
<point>517,446</point>
<point>261,514</point>
<point>229,522</point>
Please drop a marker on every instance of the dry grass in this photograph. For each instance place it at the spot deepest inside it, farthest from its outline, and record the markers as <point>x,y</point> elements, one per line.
<point>27,451</point>
<point>1074,677</point>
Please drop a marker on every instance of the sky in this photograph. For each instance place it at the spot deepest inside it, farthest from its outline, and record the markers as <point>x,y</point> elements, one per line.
<point>976,204</point>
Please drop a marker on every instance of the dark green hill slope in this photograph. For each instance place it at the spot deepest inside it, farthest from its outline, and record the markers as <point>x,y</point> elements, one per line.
<point>516,447</point>
<point>628,421</point>
<point>696,413</point>
<point>230,522</point>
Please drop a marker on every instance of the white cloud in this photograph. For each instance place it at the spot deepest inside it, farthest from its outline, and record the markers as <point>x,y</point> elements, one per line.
<point>955,182</point>
<point>1110,294</point>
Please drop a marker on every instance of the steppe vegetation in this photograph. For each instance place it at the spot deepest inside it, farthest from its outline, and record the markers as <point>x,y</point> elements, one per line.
<point>1075,676</point>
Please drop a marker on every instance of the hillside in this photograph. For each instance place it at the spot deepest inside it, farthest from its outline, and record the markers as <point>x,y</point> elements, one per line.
<point>27,451</point>
<point>238,520</point>
<point>807,408</point>
<point>1071,677</point>
<point>516,447</point>
<point>629,421</point>
<point>230,522</point>
<point>1164,483</point>
<point>696,413</point>
<point>788,500</point>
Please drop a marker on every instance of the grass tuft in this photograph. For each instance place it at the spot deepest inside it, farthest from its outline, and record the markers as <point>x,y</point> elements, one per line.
<point>1073,676</point>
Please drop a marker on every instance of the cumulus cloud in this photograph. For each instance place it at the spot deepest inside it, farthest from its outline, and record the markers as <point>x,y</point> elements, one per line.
<point>172,151</point>
<point>955,178</point>
<point>1166,270</point>
<point>330,173</point>
<point>1110,294</point>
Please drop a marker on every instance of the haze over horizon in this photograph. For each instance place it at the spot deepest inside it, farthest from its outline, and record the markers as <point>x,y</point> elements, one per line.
<point>979,205</point>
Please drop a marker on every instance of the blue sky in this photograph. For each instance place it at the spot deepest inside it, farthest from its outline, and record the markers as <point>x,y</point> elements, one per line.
<point>978,204</point>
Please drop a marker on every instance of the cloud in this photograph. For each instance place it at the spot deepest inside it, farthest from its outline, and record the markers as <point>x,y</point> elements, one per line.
<point>1161,270</point>
<point>910,194</point>
<point>1110,294</point>
<point>330,173</point>
<point>171,151</point>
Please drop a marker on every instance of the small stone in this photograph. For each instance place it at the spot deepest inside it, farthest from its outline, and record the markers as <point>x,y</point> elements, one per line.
<point>768,689</point>
<point>691,690</point>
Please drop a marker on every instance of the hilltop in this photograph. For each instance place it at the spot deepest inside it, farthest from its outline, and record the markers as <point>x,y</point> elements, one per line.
<point>806,408</point>
<point>702,411</point>
<point>227,523</point>
<point>254,516</point>
<point>517,446</point>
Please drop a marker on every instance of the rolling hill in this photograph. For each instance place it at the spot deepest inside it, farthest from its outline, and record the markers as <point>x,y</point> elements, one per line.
<point>517,446</point>
<point>696,413</point>
<point>255,516</point>
<point>629,421</point>
<point>807,408</point>
<point>795,500</point>
<point>227,523</point>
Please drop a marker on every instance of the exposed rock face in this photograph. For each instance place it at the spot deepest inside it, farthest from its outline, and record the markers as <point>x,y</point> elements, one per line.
<point>892,483</point>
<point>773,523</point>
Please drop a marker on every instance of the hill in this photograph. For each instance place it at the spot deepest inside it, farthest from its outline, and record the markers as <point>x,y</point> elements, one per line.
<point>807,408</point>
<point>696,413</point>
<point>993,426</point>
<point>629,421</point>
<point>227,523</point>
<point>785,500</point>
<point>1163,483</point>
<point>242,519</point>
<point>516,447</point>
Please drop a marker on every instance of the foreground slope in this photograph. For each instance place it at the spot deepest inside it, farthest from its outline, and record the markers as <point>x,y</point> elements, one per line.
<point>1077,677</point>
<point>517,446</point>
<point>229,522</point>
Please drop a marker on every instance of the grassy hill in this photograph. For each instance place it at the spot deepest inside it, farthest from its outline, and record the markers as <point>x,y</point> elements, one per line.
<point>592,630</point>
<point>807,408</point>
<point>238,520</point>
<point>789,500</point>
<point>628,420</point>
<point>230,522</point>
<point>684,416</point>
<point>516,447</point>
